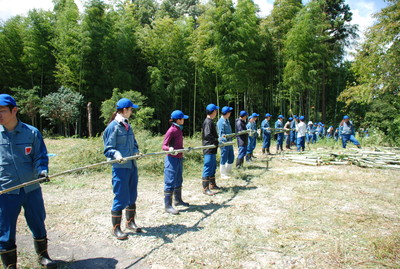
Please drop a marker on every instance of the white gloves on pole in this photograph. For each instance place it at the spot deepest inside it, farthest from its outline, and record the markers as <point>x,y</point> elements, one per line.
<point>172,152</point>
<point>119,158</point>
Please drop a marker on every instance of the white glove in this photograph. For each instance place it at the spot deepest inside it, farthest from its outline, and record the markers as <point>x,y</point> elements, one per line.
<point>43,174</point>
<point>119,158</point>
<point>172,152</point>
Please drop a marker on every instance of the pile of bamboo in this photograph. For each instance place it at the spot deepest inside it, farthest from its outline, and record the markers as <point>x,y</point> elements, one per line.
<point>385,158</point>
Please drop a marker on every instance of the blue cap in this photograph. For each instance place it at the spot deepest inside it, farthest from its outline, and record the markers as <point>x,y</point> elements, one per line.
<point>346,117</point>
<point>124,103</point>
<point>212,107</point>
<point>331,126</point>
<point>243,113</point>
<point>295,116</point>
<point>290,118</point>
<point>301,118</point>
<point>281,117</point>
<point>255,115</point>
<point>226,109</point>
<point>322,125</point>
<point>268,115</point>
<point>251,117</point>
<point>6,100</point>
<point>177,114</point>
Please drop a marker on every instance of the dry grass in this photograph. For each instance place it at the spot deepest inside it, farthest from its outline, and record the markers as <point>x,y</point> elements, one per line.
<point>290,216</point>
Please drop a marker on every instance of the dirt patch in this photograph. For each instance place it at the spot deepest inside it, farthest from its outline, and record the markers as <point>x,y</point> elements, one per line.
<point>289,216</point>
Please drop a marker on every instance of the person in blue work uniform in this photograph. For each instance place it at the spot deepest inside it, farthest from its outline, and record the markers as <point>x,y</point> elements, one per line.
<point>253,136</point>
<point>251,125</point>
<point>227,153</point>
<point>311,135</point>
<point>173,163</point>
<point>266,133</point>
<point>346,130</point>
<point>119,142</point>
<point>280,135</point>
<point>242,140</point>
<point>210,137</point>
<point>293,132</point>
<point>23,158</point>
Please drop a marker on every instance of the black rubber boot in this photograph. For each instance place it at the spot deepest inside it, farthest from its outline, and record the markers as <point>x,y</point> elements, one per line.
<point>178,198</point>
<point>9,258</point>
<point>130,214</point>
<point>213,184</point>
<point>168,203</point>
<point>237,163</point>
<point>206,186</point>
<point>43,255</point>
<point>248,158</point>
<point>268,152</point>
<point>263,151</point>
<point>116,217</point>
<point>252,156</point>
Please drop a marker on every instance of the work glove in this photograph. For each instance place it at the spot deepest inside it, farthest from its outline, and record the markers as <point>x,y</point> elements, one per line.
<point>172,152</point>
<point>119,158</point>
<point>43,174</point>
<point>139,155</point>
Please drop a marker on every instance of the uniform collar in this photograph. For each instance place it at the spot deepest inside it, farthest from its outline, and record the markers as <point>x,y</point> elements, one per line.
<point>177,125</point>
<point>120,118</point>
<point>16,129</point>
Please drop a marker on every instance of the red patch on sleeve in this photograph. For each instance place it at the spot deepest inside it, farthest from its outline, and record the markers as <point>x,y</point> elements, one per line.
<point>28,150</point>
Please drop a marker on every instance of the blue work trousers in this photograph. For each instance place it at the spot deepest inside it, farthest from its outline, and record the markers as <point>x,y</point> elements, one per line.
<point>348,137</point>
<point>251,145</point>
<point>293,137</point>
<point>173,168</point>
<point>125,182</point>
<point>301,143</point>
<point>10,207</point>
<point>242,152</point>
<point>227,155</point>
<point>280,138</point>
<point>210,165</point>
<point>266,140</point>
<point>287,139</point>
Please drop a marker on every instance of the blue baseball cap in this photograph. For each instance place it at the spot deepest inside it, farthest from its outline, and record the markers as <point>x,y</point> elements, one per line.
<point>295,116</point>
<point>268,115</point>
<point>243,113</point>
<point>226,109</point>
<point>301,118</point>
<point>255,115</point>
<point>250,117</point>
<point>290,118</point>
<point>177,114</point>
<point>281,117</point>
<point>346,117</point>
<point>212,107</point>
<point>124,103</point>
<point>6,100</point>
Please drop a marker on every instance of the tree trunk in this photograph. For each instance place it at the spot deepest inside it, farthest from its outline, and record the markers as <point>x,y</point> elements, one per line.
<point>89,111</point>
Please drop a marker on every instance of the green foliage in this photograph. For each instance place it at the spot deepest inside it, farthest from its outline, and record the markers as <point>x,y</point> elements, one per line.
<point>142,117</point>
<point>377,76</point>
<point>28,101</point>
<point>62,107</point>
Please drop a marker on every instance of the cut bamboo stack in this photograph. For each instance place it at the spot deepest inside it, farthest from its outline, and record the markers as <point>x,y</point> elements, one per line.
<point>385,158</point>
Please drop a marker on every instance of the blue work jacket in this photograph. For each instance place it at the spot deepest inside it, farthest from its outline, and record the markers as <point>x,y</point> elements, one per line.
<point>265,126</point>
<point>117,138</point>
<point>252,126</point>
<point>23,155</point>
<point>224,128</point>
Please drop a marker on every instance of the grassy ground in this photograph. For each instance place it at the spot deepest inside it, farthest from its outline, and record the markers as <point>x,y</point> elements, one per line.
<point>287,216</point>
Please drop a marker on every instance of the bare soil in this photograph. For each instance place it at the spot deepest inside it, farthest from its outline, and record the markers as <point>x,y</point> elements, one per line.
<point>287,216</point>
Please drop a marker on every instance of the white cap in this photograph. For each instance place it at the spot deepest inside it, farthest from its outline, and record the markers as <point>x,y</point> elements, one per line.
<point>310,122</point>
